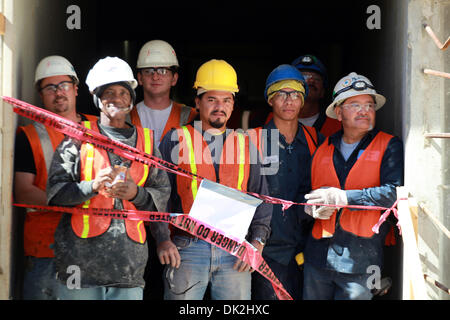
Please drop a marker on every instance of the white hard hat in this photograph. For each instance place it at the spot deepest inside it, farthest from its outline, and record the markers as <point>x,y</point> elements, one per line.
<point>54,66</point>
<point>110,70</point>
<point>157,53</point>
<point>350,86</point>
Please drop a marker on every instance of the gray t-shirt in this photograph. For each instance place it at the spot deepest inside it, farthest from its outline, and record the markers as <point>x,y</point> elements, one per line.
<point>154,119</point>
<point>347,149</point>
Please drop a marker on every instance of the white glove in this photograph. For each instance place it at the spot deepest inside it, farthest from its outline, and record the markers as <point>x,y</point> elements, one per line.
<point>333,196</point>
<point>322,212</point>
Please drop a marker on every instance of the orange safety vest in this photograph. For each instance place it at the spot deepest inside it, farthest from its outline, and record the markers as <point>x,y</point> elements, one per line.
<point>310,134</point>
<point>40,226</point>
<point>177,117</point>
<point>95,159</point>
<point>364,174</point>
<point>330,126</point>
<point>195,156</point>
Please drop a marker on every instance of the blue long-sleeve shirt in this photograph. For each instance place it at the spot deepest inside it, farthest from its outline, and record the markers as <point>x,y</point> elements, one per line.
<point>345,252</point>
<point>291,182</point>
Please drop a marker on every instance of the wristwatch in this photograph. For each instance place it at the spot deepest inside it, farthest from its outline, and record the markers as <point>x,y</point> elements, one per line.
<point>260,240</point>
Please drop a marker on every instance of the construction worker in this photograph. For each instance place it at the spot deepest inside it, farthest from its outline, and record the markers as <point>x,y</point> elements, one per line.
<point>57,84</point>
<point>191,263</point>
<point>313,114</point>
<point>287,146</point>
<point>359,165</point>
<point>157,73</point>
<point>109,254</point>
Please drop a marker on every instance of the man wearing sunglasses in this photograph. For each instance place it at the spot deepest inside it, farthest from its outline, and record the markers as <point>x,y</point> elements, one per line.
<point>157,73</point>
<point>359,165</point>
<point>57,84</point>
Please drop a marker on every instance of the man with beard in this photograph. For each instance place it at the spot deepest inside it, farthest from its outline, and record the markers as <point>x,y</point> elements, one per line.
<point>57,84</point>
<point>205,148</point>
<point>110,254</point>
<point>358,165</point>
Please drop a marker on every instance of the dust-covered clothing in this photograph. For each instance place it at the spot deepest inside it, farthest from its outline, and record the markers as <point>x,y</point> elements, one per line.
<point>112,258</point>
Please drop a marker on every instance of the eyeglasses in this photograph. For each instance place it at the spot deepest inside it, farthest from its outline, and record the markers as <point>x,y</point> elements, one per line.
<point>357,85</point>
<point>283,95</point>
<point>64,86</point>
<point>160,71</point>
<point>357,107</point>
<point>312,76</point>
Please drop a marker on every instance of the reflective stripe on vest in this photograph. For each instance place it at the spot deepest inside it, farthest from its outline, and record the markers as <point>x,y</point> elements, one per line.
<point>139,172</point>
<point>194,183</point>
<point>88,177</point>
<point>199,161</point>
<point>47,148</point>
<point>241,140</point>
<point>148,150</point>
<point>365,173</point>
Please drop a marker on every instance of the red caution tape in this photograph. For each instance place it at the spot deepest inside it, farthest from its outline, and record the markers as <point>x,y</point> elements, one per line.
<point>83,134</point>
<point>244,251</point>
<point>79,132</point>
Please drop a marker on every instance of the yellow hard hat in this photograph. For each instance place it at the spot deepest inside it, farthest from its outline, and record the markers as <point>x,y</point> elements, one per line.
<point>216,75</point>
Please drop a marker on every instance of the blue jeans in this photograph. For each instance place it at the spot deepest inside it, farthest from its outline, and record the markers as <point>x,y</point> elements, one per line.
<point>290,277</point>
<point>203,264</point>
<point>99,293</point>
<point>322,284</point>
<point>39,281</point>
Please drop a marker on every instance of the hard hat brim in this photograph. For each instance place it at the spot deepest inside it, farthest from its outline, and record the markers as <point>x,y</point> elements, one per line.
<point>380,100</point>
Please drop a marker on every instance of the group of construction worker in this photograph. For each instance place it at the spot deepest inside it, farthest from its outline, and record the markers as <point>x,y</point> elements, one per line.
<point>326,158</point>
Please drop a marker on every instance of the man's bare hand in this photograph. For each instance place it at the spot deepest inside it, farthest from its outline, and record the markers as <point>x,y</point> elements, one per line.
<point>103,176</point>
<point>168,254</point>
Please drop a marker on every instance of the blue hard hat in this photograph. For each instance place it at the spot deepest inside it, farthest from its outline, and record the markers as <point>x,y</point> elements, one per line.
<point>285,72</point>
<point>310,62</point>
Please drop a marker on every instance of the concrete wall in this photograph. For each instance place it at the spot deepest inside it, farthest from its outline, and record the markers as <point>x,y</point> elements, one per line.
<point>34,29</point>
<point>427,110</point>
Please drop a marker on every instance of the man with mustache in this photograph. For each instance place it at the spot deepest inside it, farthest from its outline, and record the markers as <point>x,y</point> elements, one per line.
<point>57,84</point>
<point>191,263</point>
<point>359,165</point>
<point>109,254</point>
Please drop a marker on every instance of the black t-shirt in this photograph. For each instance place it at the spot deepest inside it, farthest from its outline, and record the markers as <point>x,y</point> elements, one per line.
<point>23,155</point>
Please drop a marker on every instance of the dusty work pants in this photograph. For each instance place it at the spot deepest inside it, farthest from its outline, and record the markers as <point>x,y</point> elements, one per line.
<point>39,281</point>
